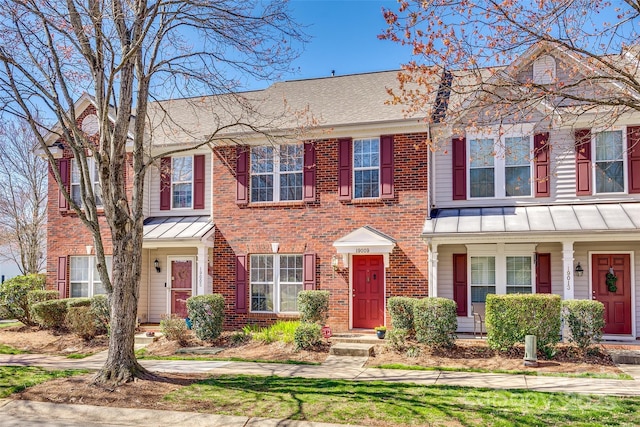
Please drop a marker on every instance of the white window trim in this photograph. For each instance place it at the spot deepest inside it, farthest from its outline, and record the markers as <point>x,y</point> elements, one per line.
<point>182,182</point>
<point>276,173</point>
<point>365,168</point>
<point>500,251</point>
<point>498,135</point>
<point>625,172</point>
<point>276,283</point>
<point>91,166</point>
<point>90,278</point>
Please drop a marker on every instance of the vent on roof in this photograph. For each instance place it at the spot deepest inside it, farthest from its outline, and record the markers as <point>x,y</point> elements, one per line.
<point>544,70</point>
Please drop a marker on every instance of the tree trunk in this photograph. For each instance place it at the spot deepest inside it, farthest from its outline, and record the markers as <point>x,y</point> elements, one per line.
<point>121,365</point>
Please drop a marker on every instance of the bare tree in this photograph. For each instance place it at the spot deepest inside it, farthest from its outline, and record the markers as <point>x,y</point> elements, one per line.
<point>471,45</point>
<point>126,54</point>
<point>23,197</point>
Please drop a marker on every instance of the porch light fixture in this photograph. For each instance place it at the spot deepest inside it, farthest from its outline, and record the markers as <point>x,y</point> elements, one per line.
<point>579,270</point>
<point>334,262</point>
<point>156,263</point>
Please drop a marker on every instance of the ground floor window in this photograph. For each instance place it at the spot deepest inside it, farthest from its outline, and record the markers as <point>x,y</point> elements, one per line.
<point>84,280</point>
<point>276,281</point>
<point>483,277</point>
<point>519,275</point>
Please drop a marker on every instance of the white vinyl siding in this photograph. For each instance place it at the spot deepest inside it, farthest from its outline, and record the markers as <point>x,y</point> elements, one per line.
<point>152,194</point>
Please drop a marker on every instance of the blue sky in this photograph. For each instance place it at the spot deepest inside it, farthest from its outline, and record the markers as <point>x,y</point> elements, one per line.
<point>343,37</point>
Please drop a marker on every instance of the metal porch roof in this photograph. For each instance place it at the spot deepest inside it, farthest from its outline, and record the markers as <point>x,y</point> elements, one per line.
<point>176,227</point>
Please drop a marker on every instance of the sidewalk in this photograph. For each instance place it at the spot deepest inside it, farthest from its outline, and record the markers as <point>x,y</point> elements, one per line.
<point>345,368</point>
<point>20,413</point>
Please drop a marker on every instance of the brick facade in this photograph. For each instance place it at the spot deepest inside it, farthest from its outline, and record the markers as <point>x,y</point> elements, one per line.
<point>66,234</point>
<point>313,227</point>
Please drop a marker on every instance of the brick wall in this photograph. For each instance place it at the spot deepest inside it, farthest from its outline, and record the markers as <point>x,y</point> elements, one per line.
<point>66,234</point>
<point>313,227</point>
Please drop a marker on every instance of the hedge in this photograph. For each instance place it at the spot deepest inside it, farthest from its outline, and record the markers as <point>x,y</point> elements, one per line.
<point>207,315</point>
<point>585,320</point>
<point>313,306</point>
<point>401,312</point>
<point>436,321</point>
<point>102,312</point>
<point>14,301</point>
<point>51,314</point>
<point>307,336</point>
<point>81,321</point>
<point>509,318</point>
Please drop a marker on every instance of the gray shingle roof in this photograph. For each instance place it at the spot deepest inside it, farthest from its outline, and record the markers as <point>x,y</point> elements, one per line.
<point>561,218</point>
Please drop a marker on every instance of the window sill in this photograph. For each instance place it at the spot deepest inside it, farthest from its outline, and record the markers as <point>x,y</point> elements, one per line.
<point>286,204</point>
<point>284,316</point>
<point>368,201</point>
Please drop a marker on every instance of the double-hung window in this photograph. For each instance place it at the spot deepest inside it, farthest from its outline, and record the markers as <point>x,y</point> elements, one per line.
<point>182,182</point>
<point>500,167</point>
<point>366,168</point>
<point>609,162</point>
<point>76,192</point>
<point>84,279</point>
<point>519,274</point>
<point>276,173</point>
<point>276,281</point>
<point>483,278</point>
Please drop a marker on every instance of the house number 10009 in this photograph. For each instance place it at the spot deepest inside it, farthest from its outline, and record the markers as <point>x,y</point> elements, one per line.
<point>362,250</point>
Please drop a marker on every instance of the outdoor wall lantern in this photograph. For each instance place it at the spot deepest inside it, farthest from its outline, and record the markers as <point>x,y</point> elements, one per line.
<point>156,263</point>
<point>334,262</point>
<point>579,270</point>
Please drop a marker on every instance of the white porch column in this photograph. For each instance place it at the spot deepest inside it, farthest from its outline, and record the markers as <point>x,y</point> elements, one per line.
<point>433,270</point>
<point>203,262</point>
<point>567,270</point>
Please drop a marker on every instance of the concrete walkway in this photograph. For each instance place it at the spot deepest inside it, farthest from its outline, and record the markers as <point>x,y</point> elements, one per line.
<point>20,413</point>
<point>351,368</point>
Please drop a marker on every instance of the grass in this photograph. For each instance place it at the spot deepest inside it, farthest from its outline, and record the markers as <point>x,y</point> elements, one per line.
<point>17,378</point>
<point>78,355</point>
<point>9,325</point>
<point>280,331</point>
<point>7,349</point>
<point>384,403</point>
<point>621,376</point>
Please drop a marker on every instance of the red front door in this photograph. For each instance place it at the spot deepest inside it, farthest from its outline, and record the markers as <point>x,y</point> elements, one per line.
<point>180,286</point>
<point>368,291</point>
<point>617,305</point>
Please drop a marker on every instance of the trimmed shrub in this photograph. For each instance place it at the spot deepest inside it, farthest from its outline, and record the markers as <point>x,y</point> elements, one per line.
<point>307,336</point>
<point>207,315</point>
<point>81,321</point>
<point>175,328</point>
<point>102,312</point>
<point>50,314</point>
<point>397,339</point>
<point>34,297</point>
<point>436,322</point>
<point>585,321</point>
<point>510,318</point>
<point>14,296</point>
<point>401,312</point>
<point>313,306</point>
<point>79,302</point>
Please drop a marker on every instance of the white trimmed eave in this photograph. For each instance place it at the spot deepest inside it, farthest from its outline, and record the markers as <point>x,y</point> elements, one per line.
<point>537,237</point>
<point>175,243</point>
<point>365,241</point>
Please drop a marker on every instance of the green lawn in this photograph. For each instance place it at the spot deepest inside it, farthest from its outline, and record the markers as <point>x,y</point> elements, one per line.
<point>7,349</point>
<point>382,403</point>
<point>16,378</point>
<point>9,324</point>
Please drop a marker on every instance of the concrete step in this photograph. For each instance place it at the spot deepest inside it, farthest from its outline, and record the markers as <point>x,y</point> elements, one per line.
<point>143,339</point>
<point>351,349</point>
<point>625,357</point>
<point>356,339</point>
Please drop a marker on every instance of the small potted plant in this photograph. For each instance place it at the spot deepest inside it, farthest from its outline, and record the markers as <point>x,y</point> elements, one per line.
<point>380,331</point>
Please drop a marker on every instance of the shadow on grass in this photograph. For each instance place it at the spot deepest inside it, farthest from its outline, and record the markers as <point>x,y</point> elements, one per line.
<point>377,402</point>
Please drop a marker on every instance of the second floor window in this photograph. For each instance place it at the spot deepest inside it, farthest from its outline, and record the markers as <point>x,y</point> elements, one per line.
<point>366,168</point>
<point>276,173</point>
<point>609,162</point>
<point>76,193</point>
<point>500,168</point>
<point>182,182</point>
